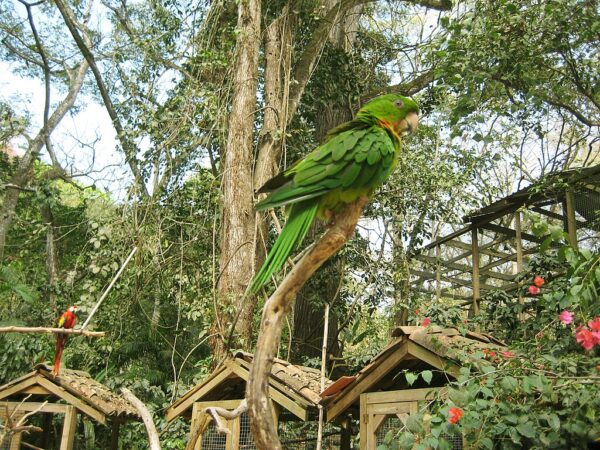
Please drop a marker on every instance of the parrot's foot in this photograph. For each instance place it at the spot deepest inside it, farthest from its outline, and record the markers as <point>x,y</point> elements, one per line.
<point>329,217</point>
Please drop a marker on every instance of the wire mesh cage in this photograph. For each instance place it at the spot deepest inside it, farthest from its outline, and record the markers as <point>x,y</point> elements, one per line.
<point>246,438</point>
<point>212,439</point>
<point>298,435</point>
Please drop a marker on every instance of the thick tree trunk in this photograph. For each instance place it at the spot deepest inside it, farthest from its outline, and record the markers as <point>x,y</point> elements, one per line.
<point>238,236</point>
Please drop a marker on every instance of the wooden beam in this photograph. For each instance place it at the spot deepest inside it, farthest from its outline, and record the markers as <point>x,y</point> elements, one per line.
<point>509,258</point>
<point>209,385</point>
<point>70,398</point>
<point>433,359</point>
<point>405,395</point>
<point>453,280</point>
<point>348,397</point>
<point>482,250</point>
<point>69,426</point>
<point>570,215</point>
<point>519,247</point>
<point>464,268</point>
<point>444,293</point>
<point>476,279</point>
<point>26,383</point>
<point>556,216</point>
<point>276,390</point>
<point>55,408</point>
<point>512,233</point>
<point>447,238</point>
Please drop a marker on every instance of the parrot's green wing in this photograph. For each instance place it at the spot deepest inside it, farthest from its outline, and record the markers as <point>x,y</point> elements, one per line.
<point>356,159</point>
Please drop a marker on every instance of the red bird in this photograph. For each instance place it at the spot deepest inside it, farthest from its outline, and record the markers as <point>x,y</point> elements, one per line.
<point>67,320</point>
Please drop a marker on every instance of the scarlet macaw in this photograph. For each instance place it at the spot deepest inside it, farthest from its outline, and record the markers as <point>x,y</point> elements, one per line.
<point>67,320</point>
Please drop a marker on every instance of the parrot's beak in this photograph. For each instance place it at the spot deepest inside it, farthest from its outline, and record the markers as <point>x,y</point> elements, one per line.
<point>408,124</point>
<point>412,121</point>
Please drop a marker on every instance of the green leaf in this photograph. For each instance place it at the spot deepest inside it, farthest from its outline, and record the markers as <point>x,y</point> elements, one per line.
<point>509,383</point>
<point>410,378</point>
<point>427,375</point>
<point>486,443</point>
<point>526,429</point>
<point>553,421</point>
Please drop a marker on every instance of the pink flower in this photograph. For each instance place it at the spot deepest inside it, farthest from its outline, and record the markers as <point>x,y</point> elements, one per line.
<point>566,317</point>
<point>538,281</point>
<point>596,336</point>
<point>508,354</point>
<point>454,415</point>
<point>533,290</point>
<point>585,338</point>
<point>594,324</point>
<point>426,322</point>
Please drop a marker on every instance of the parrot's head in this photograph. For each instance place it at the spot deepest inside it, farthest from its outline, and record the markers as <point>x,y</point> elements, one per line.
<point>72,309</point>
<point>394,112</point>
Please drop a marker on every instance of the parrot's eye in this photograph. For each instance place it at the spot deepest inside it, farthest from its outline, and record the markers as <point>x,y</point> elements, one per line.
<point>399,104</point>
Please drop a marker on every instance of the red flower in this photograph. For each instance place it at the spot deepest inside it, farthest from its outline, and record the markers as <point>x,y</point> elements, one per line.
<point>533,290</point>
<point>594,324</point>
<point>426,322</point>
<point>539,281</point>
<point>585,338</point>
<point>508,354</point>
<point>489,353</point>
<point>454,415</point>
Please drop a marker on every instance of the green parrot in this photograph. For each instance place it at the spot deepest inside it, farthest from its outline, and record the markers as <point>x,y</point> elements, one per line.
<point>355,159</point>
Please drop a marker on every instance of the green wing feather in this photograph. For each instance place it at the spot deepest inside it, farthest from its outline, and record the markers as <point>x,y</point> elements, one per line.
<point>293,233</point>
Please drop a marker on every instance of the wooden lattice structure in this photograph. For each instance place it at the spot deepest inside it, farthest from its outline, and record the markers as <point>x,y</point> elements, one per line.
<point>487,253</point>
<point>294,392</point>
<point>70,393</point>
<point>380,396</point>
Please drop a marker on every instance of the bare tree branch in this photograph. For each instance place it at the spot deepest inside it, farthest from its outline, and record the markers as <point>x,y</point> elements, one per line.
<point>129,147</point>
<point>274,313</point>
<point>146,417</point>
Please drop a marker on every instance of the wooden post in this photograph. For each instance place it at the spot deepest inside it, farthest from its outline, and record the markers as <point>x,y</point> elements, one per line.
<point>476,280</point>
<point>364,422</point>
<point>438,274</point>
<point>69,427</point>
<point>570,218</point>
<point>114,434</point>
<point>519,248</point>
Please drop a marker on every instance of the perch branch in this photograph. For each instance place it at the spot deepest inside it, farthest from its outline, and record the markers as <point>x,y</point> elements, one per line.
<point>51,330</point>
<point>274,313</point>
<point>146,417</point>
<point>216,413</point>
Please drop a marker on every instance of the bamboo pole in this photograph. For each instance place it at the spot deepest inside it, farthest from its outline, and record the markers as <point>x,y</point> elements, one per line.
<point>323,366</point>
<point>112,283</point>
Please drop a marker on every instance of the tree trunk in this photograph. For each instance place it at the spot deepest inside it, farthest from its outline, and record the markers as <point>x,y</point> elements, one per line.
<point>237,238</point>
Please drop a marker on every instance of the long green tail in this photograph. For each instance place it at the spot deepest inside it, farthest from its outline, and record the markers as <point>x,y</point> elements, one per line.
<point>300,218</point>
